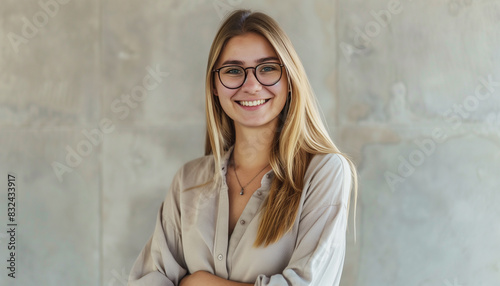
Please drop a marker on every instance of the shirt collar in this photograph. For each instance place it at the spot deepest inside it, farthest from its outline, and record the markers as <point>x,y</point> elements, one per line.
<point>225,159</point>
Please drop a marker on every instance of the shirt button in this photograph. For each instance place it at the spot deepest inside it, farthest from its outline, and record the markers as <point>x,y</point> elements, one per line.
<point>242,222</point>
<point>268,176</point>
<point>220,257</point>
<point>259,193</point>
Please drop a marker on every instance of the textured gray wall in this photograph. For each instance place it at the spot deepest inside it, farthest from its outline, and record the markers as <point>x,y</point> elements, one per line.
<point>411,93</point>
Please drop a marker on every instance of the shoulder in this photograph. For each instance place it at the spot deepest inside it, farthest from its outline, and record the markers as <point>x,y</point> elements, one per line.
<point>331,162</point>
<point>328,178</point>
<point>194,172</point>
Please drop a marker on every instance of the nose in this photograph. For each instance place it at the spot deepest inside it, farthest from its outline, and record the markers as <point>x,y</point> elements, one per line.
<point>251,84</point>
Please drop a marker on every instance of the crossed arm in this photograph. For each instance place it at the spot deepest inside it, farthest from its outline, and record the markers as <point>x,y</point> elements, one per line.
<point>208,279</point>
<point>317,259</point>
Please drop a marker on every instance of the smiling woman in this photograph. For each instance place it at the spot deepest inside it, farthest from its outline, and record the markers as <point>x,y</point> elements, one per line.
<point>269,201</point>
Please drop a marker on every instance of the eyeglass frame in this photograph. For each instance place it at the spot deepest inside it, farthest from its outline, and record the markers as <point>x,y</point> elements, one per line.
<point>246,74</point>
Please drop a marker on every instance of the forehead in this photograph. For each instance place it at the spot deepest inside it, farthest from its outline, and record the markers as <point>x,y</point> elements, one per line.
<point>247,48</point>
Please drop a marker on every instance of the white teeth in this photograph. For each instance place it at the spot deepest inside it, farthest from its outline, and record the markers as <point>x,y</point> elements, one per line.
<point>252,103</point>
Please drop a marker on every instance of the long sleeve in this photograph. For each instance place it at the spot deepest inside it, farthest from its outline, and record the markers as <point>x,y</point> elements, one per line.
<point>318,257</point>
<point>161,261</point>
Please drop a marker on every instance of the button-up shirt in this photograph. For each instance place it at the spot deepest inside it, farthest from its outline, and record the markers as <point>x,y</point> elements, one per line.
<point>192,230</point>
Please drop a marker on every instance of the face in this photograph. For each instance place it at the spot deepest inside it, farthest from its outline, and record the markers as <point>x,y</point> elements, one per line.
<point>244,104</point>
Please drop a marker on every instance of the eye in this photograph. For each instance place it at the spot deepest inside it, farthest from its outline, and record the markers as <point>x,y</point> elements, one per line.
<point>268,68</point>
<point>232,71</point>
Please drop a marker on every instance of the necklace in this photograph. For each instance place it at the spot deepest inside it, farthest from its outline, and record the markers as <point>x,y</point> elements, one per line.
<point>243,188</point>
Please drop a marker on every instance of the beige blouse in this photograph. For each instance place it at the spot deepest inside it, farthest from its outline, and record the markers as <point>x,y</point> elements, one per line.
<point>191,230</point>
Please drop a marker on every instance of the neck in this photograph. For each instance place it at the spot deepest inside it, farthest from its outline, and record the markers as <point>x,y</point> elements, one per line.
<point>253,146</point>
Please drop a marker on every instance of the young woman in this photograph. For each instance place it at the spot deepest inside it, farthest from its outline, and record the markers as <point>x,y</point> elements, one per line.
<point>269,201</point>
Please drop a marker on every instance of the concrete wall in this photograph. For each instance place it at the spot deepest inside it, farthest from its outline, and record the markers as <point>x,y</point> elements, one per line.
<point>411,93</point>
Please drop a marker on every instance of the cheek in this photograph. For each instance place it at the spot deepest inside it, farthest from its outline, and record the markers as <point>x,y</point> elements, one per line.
<point>220,89</point>
<point>224,93</point>
<point>280,90</point>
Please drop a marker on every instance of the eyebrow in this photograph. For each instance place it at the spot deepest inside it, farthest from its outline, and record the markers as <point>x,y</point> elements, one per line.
<point>261,60</point>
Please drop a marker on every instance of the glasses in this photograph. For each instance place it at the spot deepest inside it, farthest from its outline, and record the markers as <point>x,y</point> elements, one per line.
<point>234,77</point>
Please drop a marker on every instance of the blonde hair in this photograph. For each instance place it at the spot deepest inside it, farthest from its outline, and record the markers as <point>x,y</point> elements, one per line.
<point>299,135</point>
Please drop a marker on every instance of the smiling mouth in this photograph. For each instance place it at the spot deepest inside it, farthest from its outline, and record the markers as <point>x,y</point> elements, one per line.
<point>253,102</point>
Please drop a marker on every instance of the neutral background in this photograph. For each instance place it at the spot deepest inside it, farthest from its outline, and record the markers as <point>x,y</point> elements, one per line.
<point>406,96</point>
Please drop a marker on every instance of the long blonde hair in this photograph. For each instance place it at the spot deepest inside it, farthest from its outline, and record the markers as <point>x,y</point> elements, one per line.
<point>300,132</point>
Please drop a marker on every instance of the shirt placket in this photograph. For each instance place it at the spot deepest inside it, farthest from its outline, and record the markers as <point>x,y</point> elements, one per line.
<point>248,214</point>
<point>222,228</point>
